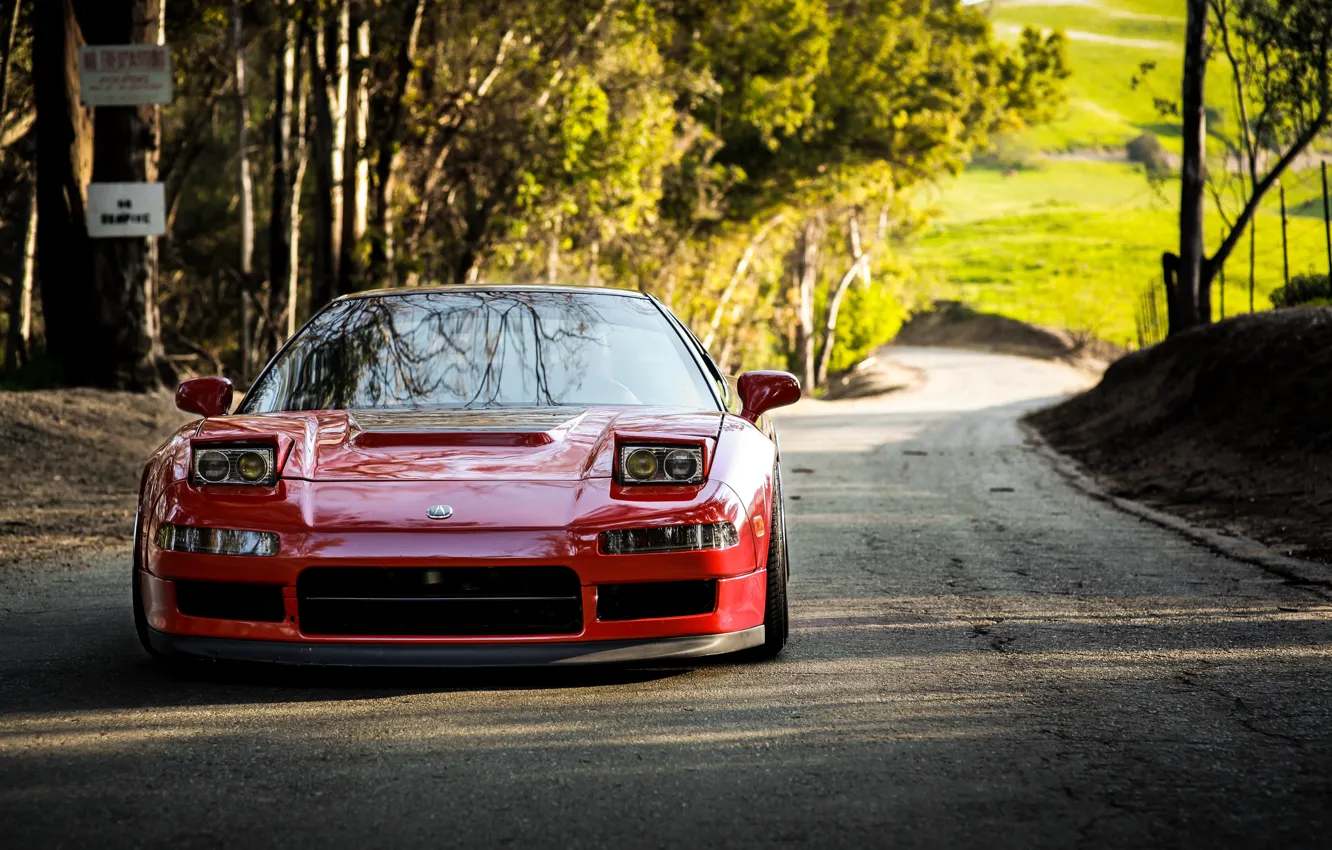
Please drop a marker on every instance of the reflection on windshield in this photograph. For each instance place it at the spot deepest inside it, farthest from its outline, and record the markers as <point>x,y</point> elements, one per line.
<point>483,349</point>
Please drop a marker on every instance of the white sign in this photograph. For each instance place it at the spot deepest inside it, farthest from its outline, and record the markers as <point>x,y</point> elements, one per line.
<point>126,210</point>
<point>128,75</point>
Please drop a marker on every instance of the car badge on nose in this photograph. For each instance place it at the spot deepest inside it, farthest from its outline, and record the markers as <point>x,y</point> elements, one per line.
<point>439,512</point>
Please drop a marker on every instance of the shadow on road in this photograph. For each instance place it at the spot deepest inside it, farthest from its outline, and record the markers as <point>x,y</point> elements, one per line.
<point>978,654</point>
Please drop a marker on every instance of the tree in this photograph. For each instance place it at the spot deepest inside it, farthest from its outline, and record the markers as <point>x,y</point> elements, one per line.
<point>330,47</point>
<point>64,167</point>
<point>1279,54</point>
<point>99,299</point>
<point>679,146</point>
<point>244,187</point>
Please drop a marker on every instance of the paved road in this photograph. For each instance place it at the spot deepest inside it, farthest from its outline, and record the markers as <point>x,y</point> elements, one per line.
<point>981,656</point>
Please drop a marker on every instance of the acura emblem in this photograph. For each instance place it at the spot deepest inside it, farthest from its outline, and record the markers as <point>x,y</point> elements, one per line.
<point>439,512</point>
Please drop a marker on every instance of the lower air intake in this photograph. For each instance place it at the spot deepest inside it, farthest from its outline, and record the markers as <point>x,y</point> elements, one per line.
<point>230,601</point>
<point>442,602</point>
<point>647,600</point>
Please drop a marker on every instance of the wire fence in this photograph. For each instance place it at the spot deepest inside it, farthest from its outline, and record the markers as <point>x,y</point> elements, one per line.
<point>1150,316</point>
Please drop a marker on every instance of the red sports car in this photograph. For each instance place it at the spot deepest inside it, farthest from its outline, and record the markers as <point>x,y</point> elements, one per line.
<point>471,476</point>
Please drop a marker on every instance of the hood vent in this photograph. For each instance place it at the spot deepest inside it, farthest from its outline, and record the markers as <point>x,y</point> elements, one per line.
<point>493,426</point>
<point>508,420</point>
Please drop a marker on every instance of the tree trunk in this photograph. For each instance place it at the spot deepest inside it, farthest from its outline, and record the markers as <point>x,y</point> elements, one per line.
<point>738,275</point>
<point>64,166</point>
<point>297,186</point>
<point>245,188</point>
<point>859,262</point>
<point>389,156</point>
<point>279,226</point>
<point>553,253</point>
<point>19,348</point>
<point>124,275</point>
<point>858,247</point>
<point>1188,309</point>
<point>809,275</point>
<point>6,61</point>
<point>331,46</point>
<point>356,168</point>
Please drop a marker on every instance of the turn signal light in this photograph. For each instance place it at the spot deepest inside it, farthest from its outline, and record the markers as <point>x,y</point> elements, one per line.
<point>216,541</point>
<point>671,538</point>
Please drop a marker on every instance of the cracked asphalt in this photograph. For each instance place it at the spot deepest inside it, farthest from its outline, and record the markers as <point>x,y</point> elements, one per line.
<point>980,656</point>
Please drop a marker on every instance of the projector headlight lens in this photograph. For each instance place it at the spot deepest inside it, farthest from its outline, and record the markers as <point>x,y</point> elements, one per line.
<point>671,538</point>
<point>212,467</point>
<point>682,465</point>
<point>216,541</point>
<point>660,465</point>
<point>253,465</point>
<point>641,465</point>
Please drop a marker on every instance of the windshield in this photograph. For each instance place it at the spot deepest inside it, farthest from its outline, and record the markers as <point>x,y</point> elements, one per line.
<point>483,349</point>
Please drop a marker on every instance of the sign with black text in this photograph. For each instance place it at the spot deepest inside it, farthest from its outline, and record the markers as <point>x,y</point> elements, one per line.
<point>128,75</point>
<point>126,210</point>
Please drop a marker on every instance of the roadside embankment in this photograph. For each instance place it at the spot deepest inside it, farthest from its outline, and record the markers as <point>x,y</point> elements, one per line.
<point>952,325</point>
<point>70,462</point>
<point>1229,426</point>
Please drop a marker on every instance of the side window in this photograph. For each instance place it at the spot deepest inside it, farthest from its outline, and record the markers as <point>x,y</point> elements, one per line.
<point>719,380</point>
<point>733,396</point>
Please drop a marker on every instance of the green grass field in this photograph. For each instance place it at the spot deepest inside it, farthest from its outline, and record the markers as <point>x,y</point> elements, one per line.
<point>1073,241</point>
<point>1073,244</point>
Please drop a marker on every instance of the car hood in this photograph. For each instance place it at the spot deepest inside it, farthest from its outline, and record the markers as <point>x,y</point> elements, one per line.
<point>527,444</point>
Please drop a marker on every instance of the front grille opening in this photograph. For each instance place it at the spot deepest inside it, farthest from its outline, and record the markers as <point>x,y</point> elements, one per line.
<point>440,602</point>
<point>646,600</point>
<point>230,601</point>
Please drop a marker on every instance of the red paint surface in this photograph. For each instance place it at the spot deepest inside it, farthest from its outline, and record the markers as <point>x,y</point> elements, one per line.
<point>519,500</point>
<point>207,397</point>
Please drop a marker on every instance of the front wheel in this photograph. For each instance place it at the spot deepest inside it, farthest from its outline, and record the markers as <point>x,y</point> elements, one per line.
<point>777,613</point>
<point>136,594</point>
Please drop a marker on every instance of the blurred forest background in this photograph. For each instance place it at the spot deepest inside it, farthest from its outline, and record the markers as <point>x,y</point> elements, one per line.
<point>792,177</point>
<point>749,162</point>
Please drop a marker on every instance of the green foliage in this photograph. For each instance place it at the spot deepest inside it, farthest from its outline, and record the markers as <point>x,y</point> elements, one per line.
<point>637,143</point>
<point>1303,290</point>
<point>871,317</point>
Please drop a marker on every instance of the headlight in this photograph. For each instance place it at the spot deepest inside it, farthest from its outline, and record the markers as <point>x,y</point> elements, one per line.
<point>254,465</point>
<point>216,541</point>
<point>660,465</point>
<point>671,538</point>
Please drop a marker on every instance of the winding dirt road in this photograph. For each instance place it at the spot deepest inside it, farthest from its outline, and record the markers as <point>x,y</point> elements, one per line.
<point>981,656</point>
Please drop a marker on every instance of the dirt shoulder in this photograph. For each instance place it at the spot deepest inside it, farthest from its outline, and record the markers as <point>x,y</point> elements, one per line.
<point>70,461</point>
<point>950,324</point>
<point>1229,426</point>
<point>876,375</point>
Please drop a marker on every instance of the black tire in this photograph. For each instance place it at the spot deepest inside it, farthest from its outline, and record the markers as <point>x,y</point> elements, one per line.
<point>777,614</point>
<point>136,594</point>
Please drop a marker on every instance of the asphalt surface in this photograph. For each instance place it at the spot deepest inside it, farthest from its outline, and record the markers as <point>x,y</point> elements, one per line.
<point>980,656</point>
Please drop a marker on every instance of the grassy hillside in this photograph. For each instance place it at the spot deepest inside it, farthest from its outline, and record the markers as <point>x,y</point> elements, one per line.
<point>1108,41</point>
<point>1072,238</point>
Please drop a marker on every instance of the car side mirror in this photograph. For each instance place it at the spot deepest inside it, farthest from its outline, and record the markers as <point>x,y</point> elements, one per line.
<point>763,391</point>
<point>207,397</point>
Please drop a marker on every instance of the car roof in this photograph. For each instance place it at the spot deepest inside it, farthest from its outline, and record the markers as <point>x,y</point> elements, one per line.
<point>485,287</point>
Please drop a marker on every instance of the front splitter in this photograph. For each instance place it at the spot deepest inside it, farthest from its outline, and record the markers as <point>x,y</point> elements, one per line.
<point>456,655</point>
